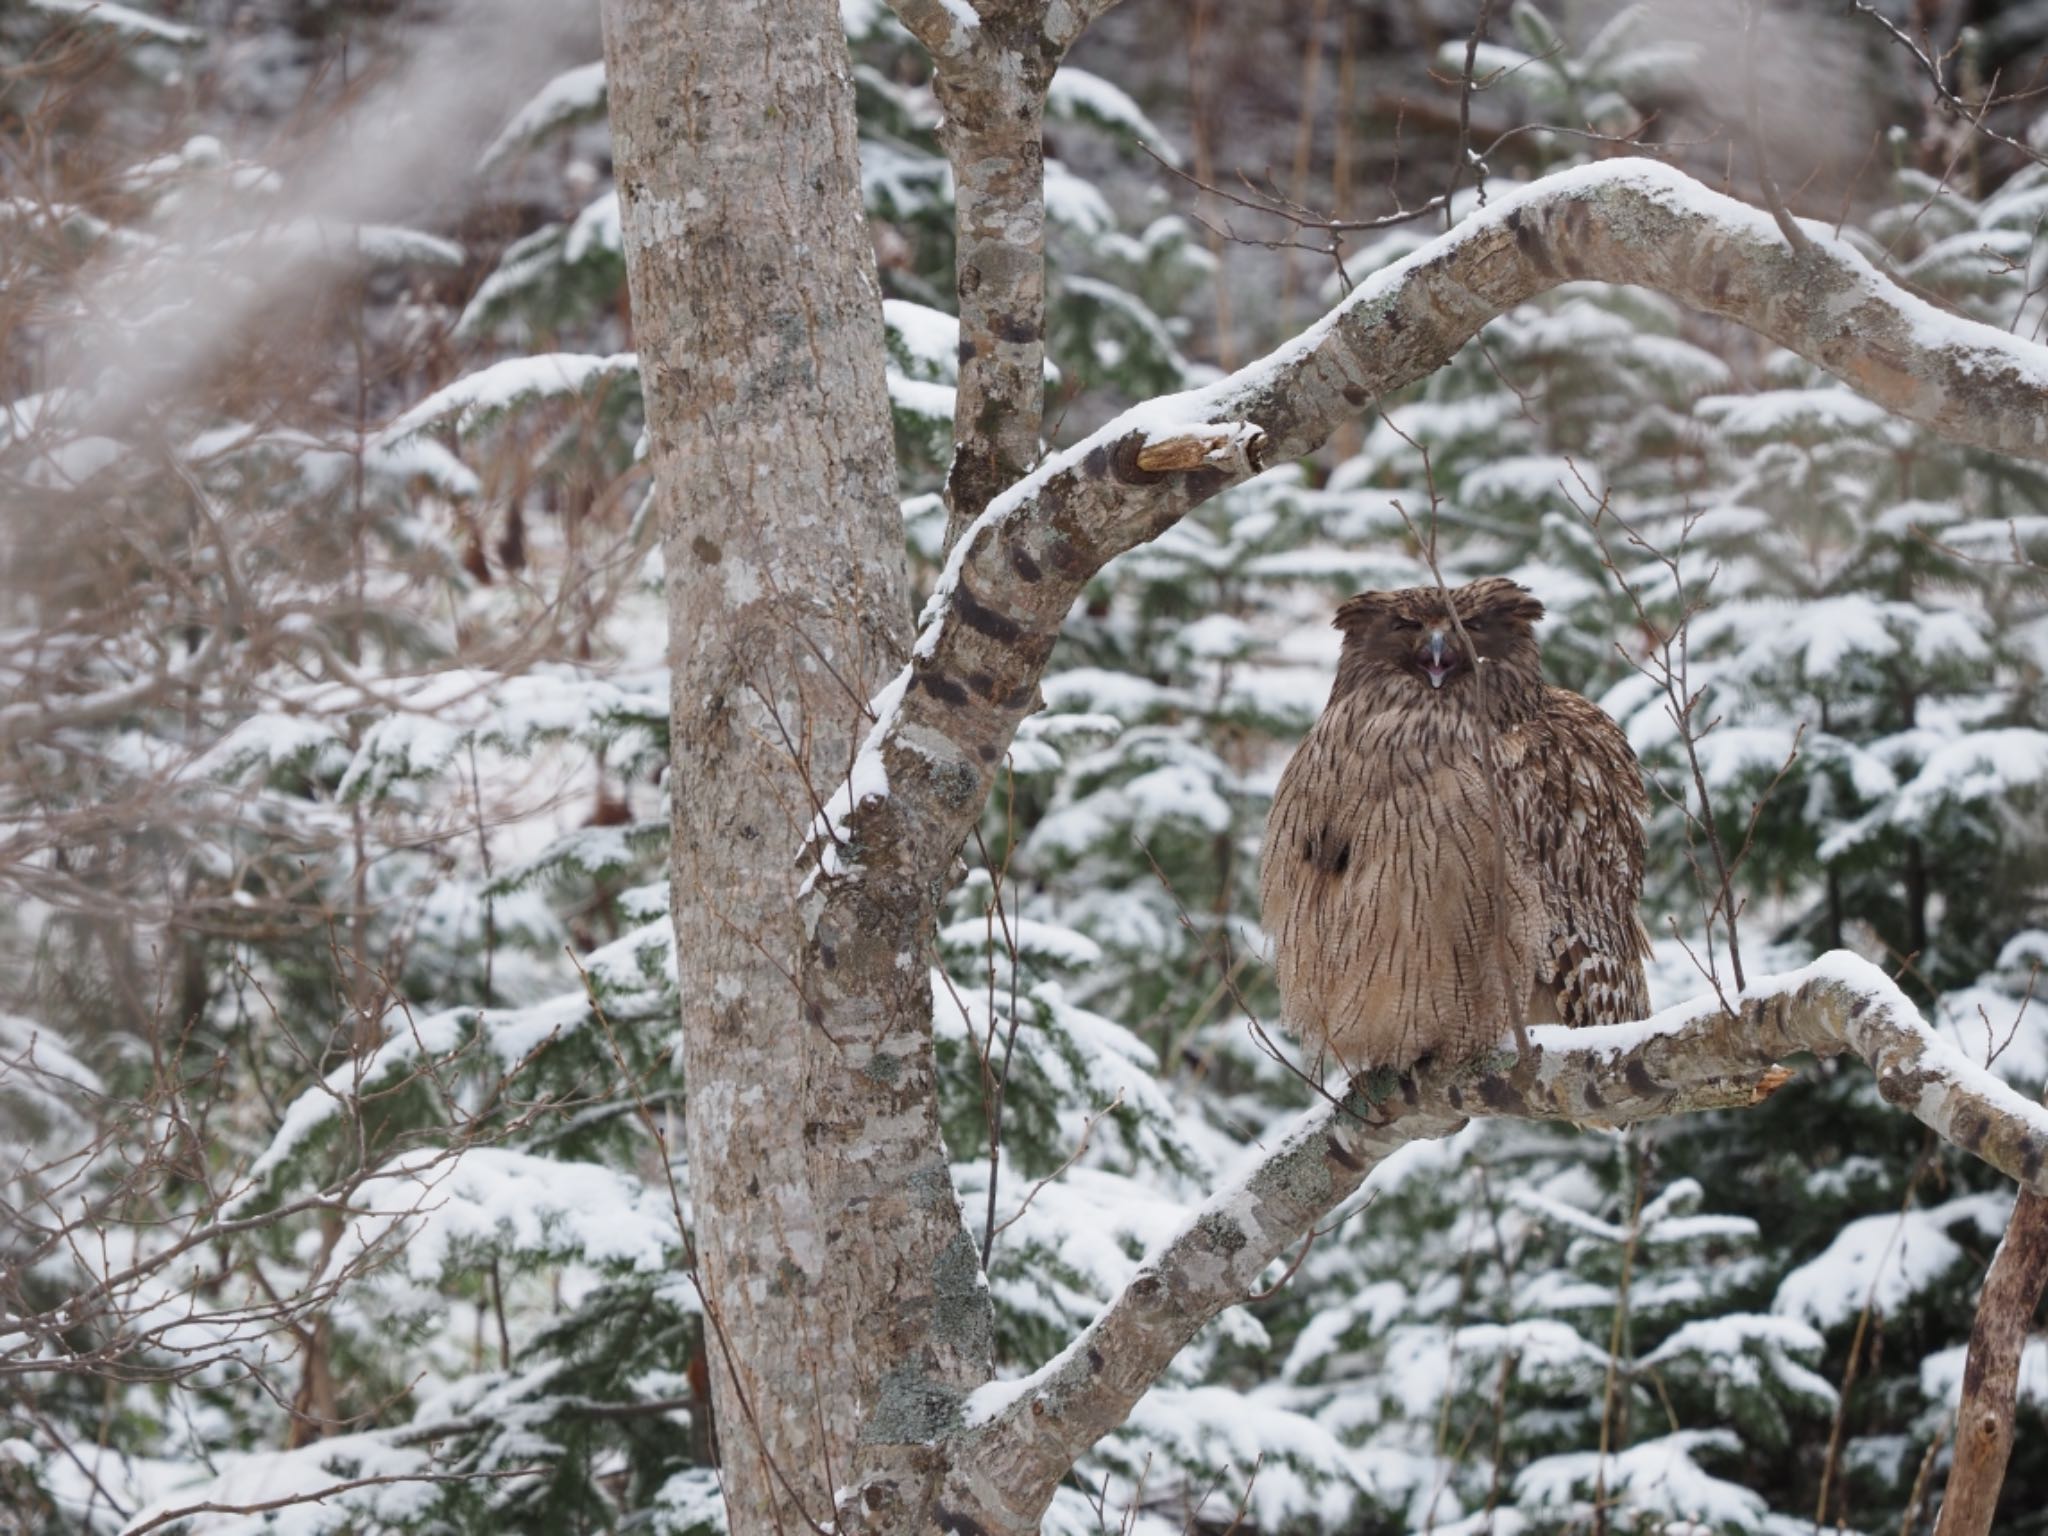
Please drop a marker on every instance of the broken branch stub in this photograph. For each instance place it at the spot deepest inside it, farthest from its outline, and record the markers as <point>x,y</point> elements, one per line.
<point>1239,450</point>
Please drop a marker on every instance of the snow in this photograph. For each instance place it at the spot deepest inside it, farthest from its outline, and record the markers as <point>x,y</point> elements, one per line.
<point>693,1500</point>
<point>1282,1465</point>
<point>1825,632</point>
<point>1105,693</point>
<point>259,1477</point>
<point>1078,94</point>
<point>1075,204</point>
<point>1659,1478</point>
<point>992,1399</point>
<point>867,780</point>
<point>1217,637</point>
<point>1722,1338</point>
<point>596,228</point>
<point>435,1035</point>
<point>432,1209</point>
<point>570,97</point>
<point>268,741</point>
<point>123,18</point>
<point>930,338</point>
<point>1886,1261</point>
<point>1614,1040</point>
<point>475,397</point>
<point>2023,950</point>
<point>1983,765</point>
<point>895,181</point>
<point>1826,412</point>
<point>1541,478</point>
<point>934,402</point>
<point>1941,1375</point>
<point>1034,940</point>
<point>29,1048</point>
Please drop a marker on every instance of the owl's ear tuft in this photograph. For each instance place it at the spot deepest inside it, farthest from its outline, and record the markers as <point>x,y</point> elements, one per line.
<point>1499,598</point>
<point>1362,611</point>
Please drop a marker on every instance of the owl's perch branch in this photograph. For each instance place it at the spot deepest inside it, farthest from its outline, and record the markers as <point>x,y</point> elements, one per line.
<point>1695,1057</point>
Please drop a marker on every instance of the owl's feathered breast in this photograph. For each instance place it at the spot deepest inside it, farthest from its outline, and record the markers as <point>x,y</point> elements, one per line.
<point>1400,926</point>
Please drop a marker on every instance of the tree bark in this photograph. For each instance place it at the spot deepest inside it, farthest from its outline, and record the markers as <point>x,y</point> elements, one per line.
<point>1991,1371</point>
<point>990,74</point>
<point>757,313</point>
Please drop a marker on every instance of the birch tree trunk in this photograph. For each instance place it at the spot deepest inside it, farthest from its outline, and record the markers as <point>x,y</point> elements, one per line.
<point>757,314</point>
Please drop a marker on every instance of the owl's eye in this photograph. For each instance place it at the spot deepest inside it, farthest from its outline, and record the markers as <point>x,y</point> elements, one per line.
<point>1407,624</point>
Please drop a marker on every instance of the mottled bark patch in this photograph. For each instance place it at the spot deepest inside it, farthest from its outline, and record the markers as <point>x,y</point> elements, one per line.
<point>910,1408</point>
<point>1223,1233</point>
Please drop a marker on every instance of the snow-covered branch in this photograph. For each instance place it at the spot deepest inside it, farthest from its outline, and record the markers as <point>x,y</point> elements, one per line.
<point>1024,1436</point>
<point>925,771</point>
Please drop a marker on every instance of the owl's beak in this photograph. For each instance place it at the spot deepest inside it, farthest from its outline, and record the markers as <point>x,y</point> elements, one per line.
<point>1438,667</point>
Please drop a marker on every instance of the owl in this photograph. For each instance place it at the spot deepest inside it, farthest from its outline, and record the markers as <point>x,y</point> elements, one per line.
<point>1418,905</point>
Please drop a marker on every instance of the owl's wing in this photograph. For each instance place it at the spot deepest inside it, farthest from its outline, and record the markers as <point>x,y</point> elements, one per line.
<point>1575,793</point>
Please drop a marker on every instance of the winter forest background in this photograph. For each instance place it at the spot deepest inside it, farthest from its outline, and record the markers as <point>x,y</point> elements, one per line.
<point>337,1074</point>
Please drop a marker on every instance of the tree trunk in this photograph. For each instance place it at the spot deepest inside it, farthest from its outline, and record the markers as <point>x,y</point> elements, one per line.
<point>757,314</point>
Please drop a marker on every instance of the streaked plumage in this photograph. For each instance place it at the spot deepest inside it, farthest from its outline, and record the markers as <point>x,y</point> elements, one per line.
<point>1402,926</point>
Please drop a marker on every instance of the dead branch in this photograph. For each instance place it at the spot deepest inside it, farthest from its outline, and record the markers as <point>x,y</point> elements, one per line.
<point>1984,1422</point>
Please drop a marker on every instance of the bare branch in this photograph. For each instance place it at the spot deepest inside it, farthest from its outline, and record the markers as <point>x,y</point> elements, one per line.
<point>322,1495</point>
<point>1948,100</point>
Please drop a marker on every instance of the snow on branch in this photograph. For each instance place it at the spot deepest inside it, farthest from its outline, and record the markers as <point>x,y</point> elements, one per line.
<point>1023,1436</point>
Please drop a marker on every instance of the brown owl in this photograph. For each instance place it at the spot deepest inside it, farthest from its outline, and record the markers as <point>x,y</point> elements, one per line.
<point>1417,911</point>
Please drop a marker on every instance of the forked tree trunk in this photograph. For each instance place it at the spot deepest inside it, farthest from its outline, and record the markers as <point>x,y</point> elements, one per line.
<point>848,1315</point>
<point>757,315</point>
